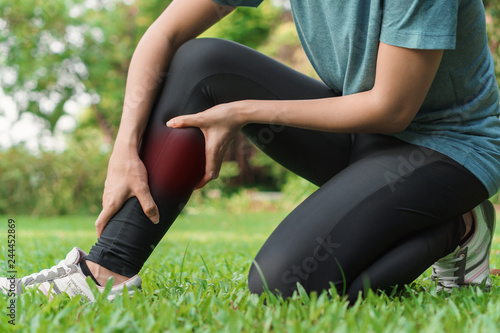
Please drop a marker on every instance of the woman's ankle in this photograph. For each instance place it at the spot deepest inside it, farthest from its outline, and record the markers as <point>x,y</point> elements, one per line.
<point>469,225</point>
<point>102,274</point>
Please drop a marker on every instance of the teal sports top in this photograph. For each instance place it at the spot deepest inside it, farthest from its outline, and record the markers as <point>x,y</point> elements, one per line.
<point>459,116</point>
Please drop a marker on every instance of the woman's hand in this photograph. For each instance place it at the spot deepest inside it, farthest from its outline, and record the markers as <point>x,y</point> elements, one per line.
<point>219,125</point>
<point>126,178</point>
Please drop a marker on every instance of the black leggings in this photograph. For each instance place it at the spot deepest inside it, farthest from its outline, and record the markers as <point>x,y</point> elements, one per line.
<point>384,212</point>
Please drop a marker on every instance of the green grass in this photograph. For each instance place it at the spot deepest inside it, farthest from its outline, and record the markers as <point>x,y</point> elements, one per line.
<point>196,281</point>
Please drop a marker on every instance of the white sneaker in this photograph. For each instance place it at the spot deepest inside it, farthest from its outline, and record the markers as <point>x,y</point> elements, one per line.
<point>65,277</point>
<point>469,265</point>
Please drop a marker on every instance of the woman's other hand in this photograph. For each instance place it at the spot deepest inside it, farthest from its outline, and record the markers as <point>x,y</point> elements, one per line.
<point>219,125</point>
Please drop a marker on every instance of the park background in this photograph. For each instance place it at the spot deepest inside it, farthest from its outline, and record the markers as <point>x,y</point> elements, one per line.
<point>63,67</point>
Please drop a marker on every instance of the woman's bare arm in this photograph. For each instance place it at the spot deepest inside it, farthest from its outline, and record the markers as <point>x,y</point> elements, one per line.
<point>402,80</point>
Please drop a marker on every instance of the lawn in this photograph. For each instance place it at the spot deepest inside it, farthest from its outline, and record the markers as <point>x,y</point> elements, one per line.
<point>196,281</point>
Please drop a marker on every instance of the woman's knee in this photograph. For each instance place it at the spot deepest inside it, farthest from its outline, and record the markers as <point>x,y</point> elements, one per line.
<point>200,55</point>
<point>185,89</point>
<point>275,280</point>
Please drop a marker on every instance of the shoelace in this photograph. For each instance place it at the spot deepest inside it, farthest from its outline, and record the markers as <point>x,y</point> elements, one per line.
<point>446,269</point>
<point>47,274</point>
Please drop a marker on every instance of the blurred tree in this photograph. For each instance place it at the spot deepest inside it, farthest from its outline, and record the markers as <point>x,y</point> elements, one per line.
<point>70,59</point>
<point>59,54</point>
<point>493,27</point>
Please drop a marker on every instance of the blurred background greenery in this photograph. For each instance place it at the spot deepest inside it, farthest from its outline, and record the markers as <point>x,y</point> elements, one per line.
<point>63,66</point>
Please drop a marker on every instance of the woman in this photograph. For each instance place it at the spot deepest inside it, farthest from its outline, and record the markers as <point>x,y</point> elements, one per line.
<point>401,137</point>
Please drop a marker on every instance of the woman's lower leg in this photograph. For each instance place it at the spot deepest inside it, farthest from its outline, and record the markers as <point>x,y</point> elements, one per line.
<point>468,223</point>
<point>382,199</point>
<point>175,160</point>
<point>102,274</point>
<point>198,79</point>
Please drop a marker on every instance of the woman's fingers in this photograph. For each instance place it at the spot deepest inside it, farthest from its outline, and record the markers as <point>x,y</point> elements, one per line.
<point>204,181</point>
<point>110,208</point>
<point>127,177</point>
<point>210,174</point>
<point>106,214</point>
<point>214,151</point>
<point>148,205</point>
<point>219,129</point>
<point>184,121</point>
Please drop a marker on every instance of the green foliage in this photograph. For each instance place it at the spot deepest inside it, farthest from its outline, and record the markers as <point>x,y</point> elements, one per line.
<point>67,51</point>
<point>276,174</point>
<point>64,51</point>
<point>55,183</point>
<point>196,281</point>
<point>91,60</point>
<point>493,28</point>
<point>284,45</point>
<point>222,185</point>
<point>247,26</point>
<point>296,189</point>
